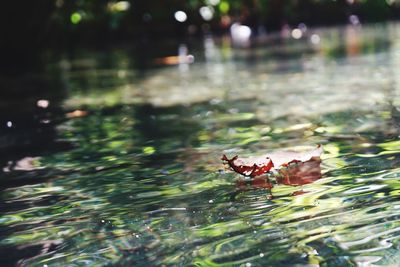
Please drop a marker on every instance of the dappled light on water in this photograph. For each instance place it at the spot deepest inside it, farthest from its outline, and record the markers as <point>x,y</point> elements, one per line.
<point>141,181</point>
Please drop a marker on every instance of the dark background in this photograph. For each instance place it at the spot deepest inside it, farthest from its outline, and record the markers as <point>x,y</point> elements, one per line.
<point>31,27</point>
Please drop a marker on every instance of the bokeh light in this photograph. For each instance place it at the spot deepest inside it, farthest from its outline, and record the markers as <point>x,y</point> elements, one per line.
<point>240,34</point>
<point>297,33</point>
<point>119,6</point>
<point>315,39</point>
<point>354,20</point>
<point>180,16</point>
<point>213,2</point>
<point>43,103</point>
<point>224,7</point>
<point>76,17</point>
<point>206,13</point>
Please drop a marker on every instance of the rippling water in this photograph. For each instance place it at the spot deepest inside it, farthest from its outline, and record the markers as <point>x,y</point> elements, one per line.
<point>135,179</point>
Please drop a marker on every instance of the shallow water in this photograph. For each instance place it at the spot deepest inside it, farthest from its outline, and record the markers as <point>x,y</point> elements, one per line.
<point>135,178</point>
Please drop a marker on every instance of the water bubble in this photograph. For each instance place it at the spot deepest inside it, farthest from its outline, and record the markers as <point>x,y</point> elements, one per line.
<point>9,124</point>
<point>261,255</point>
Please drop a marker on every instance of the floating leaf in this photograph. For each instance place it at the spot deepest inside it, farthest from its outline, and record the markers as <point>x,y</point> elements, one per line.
<point>249,167</point>
<point>256,166</point>
<point>293,175</point>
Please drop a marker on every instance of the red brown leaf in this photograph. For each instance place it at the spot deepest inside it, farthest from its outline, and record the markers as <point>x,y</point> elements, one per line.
<point>256,166</point>
<point>249,168</point>
<point>293,175</point>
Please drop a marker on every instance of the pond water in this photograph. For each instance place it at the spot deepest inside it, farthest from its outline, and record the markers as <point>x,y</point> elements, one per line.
<point>117,162</point>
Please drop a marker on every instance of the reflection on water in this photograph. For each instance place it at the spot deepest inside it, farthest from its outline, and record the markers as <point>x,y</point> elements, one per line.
<point>301,173</point>
<point>141,182</point>
<point>294,175</point>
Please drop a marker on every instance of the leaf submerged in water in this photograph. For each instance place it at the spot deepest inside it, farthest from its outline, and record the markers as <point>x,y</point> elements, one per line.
<point>256,166</point>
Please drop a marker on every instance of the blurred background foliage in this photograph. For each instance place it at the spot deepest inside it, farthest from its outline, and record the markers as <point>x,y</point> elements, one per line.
<point>32,26</point>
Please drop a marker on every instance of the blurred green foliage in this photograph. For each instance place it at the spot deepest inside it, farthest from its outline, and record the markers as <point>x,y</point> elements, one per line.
<point>91,20</point>
<point>63,24</point>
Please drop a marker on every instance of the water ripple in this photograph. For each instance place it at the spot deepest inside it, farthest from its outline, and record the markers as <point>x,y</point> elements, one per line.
<point>142,183</point>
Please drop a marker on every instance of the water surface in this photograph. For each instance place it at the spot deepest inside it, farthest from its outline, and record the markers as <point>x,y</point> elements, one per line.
<point>133,177</point>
